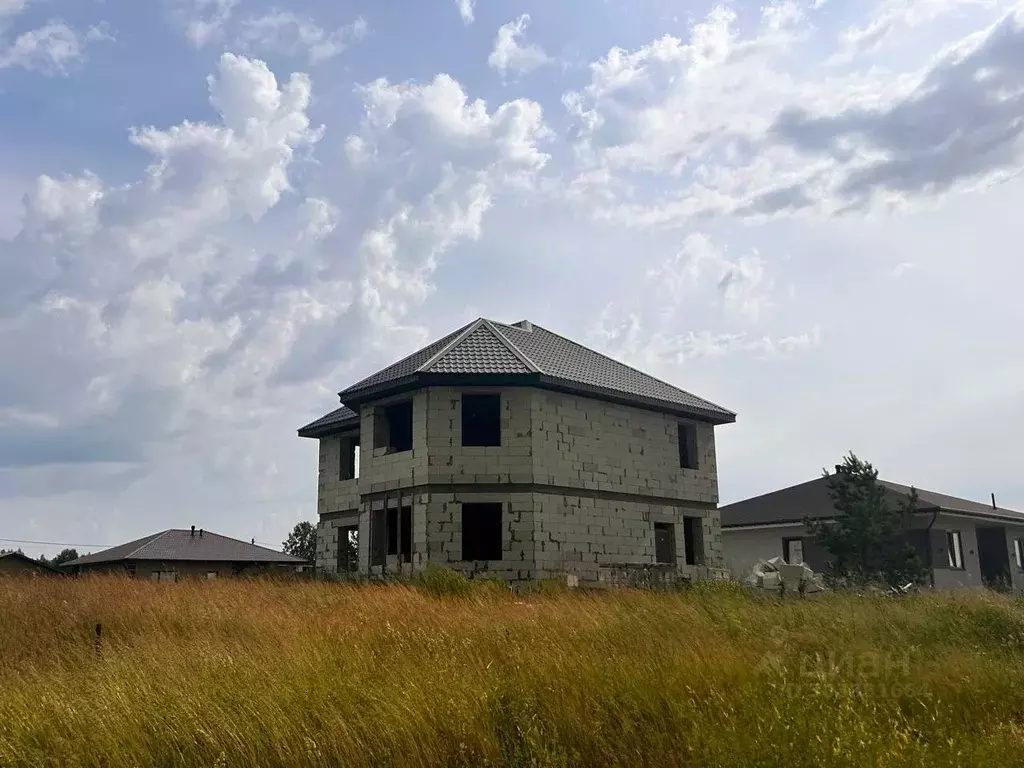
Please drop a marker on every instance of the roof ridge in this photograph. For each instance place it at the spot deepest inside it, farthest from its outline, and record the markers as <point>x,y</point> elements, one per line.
<point>632,368</point>
<point>466,332</point>
<point>246,543</point>
<point>402,360</point>
<point>513,348</point>
<point>138,549</point>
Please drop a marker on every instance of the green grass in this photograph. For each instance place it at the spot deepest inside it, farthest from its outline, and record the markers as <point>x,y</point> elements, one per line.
<point>314,674</point>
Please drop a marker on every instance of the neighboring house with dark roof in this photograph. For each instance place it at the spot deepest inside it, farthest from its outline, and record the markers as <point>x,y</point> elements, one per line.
<point>175,554</point>
<point>18,564</point>
<point>513,450</point>
<point>964,543</point>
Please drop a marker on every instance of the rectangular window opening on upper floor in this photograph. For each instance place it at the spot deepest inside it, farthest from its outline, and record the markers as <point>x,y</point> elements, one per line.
<point>481,419</point>
<point>687,445</point>
<point>348,462</point>
<point>481,531</point>
<point>393,427</point>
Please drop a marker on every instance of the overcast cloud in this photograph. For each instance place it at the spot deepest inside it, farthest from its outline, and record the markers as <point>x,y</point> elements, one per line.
<point>218,213</point>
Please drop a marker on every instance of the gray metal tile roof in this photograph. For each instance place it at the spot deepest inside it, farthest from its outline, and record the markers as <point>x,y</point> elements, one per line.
<point>812,500</point>
<point>408,365</point>
<point>30,563</point>
<point>481,350</point>
<point>572,363</point>
<point>337,419</point>
<point>954,504</point>
<point>485,347</point>
<point>178,544</point>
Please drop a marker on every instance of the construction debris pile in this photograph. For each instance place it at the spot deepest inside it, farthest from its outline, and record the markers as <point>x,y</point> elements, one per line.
<point>776,575</point>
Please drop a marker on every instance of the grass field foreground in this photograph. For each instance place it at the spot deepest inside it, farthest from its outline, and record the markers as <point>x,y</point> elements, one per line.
<point>247,673</point>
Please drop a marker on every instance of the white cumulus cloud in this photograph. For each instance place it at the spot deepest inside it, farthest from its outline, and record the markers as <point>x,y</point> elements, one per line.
<point>51,49</point>
<point>290,33</point>
<point>512,53</point>
<point>465,10</point>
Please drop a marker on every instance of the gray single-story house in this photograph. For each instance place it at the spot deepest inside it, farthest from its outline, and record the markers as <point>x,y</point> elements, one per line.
<point>181,554</point>
<point>19,564</point>
<point>964,543</point>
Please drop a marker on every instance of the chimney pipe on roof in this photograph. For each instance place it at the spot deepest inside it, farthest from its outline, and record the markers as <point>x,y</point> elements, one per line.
<point>994,502</point>
<point>200,533</point>
<point>193,530</point>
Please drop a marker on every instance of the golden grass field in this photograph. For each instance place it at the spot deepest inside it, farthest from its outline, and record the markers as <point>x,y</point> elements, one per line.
<point>250,673</point>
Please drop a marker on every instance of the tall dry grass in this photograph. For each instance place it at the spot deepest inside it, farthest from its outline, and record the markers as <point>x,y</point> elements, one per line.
<point>312,674</point>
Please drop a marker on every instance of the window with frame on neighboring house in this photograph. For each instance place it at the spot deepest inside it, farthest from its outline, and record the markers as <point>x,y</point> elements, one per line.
<point>481,531</point>
<point>687,445</point>
<point>954,550</point>
<point>481,419</point>
<point>793,550</point>
<point>1018,552</point>
<point>164,576</point>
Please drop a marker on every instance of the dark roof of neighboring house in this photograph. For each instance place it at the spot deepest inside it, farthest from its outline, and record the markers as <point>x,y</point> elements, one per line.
<point>26,560</point>
<point>812,500</point>
<point>521,353</point>
<point>178,544</point>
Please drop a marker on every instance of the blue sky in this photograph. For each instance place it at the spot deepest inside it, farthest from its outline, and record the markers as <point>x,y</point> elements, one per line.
<point>215,214</point>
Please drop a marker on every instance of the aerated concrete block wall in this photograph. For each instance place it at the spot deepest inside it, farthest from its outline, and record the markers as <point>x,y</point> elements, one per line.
<point>337,500</point>
<point>452,462</point>
<point>582,483</point>
<point>623,464</point>
<point>584,443</point>
<point>444,534</point>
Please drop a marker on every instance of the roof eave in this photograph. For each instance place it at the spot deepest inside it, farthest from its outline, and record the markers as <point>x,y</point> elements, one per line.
<point>921,510</point>
<point>354,398</point>
<point>326,430</point>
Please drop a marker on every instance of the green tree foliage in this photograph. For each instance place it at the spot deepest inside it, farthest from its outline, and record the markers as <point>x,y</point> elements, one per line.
<point>64,556</point>
<point>351,558</point>
<point>867,539</point>
<point>301,542</point>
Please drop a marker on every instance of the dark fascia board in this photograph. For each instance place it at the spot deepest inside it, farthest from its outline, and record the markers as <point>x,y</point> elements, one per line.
<point>413,382</point>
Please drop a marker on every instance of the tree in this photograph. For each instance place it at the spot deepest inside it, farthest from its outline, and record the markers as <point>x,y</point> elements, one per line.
<point>301,542</point>
<point>348,541</point>
<point>867,539</point>
<point>64,556</point>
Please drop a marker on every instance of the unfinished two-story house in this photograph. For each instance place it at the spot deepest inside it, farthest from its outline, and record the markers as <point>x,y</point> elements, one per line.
<point>511,450</point>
